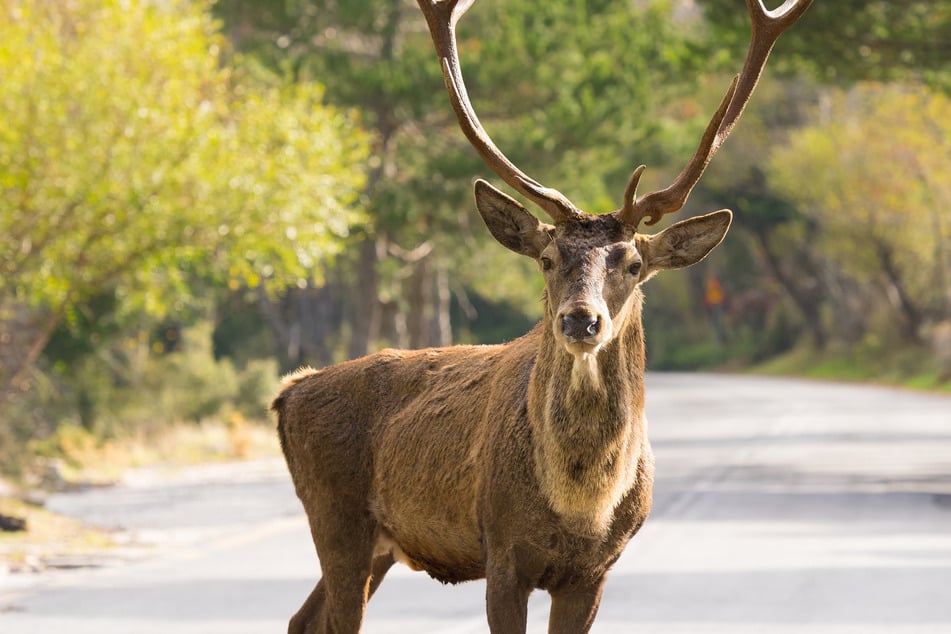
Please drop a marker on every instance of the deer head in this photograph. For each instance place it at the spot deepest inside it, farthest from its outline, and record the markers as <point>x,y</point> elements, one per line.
<point>593,264</point>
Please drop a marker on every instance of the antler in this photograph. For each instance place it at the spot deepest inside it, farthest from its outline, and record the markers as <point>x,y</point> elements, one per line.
<point>767,27</point>
<point>442,16</point>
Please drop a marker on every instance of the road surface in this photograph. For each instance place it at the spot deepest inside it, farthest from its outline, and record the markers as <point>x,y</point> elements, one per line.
<point>780,506</point>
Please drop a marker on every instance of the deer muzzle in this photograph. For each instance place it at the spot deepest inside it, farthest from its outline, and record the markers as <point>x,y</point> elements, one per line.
<point>582,328</point>
<point>580,324</point>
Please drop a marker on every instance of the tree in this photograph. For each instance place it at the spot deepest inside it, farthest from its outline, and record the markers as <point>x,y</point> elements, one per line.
<point>871,172</point>
<point>780,238</point>
<point>135,158</point>
<point>855,40</point>
<point>570,90</point>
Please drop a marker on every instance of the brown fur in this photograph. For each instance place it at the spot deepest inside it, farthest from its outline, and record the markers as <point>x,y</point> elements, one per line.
<point>526,463</point>
<point>510,462</point>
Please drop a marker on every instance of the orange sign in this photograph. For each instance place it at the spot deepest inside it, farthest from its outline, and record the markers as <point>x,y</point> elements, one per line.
<point>714,295</point>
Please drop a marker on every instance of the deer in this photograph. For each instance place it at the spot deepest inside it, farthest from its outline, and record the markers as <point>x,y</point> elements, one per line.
<point>525,463</point>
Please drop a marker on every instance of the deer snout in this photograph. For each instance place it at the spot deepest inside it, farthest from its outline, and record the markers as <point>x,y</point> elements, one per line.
<point>580,324</point>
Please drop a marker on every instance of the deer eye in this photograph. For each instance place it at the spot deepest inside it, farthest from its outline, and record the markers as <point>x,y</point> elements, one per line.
<point>546,263</point>
<point>634,268</point>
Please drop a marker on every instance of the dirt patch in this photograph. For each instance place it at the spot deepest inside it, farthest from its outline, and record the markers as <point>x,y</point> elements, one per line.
<point>51,539</point>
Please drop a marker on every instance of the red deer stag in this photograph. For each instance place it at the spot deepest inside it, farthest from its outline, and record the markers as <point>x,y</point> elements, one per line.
<point>526,463</point>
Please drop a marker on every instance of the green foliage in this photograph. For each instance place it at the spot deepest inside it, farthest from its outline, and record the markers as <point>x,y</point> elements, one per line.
<point>189,384</point>
<point>131,384</point>
<point>488,320</point>
<point>130,156</point>
<point>872,174</point>
<point>152,182</point>
<point>854,40</point>
<point>912,367</point>
<point>241,333</point>
<point>142,170</point>
<point>576,93</point>
<point>577,90</point>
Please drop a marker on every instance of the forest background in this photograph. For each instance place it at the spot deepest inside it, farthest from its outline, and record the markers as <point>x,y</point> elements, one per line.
<point>196,197</point>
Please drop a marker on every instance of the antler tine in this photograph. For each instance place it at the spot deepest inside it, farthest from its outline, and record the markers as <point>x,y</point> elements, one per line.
<point>442,16</point>
<point>767,26</point>
<point>665,201</point>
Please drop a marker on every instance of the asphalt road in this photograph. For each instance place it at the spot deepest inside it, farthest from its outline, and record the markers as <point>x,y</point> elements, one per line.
<point>780,506</point>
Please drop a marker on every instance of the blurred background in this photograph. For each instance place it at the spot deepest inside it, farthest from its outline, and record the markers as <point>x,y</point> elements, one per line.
<point>196,197</point>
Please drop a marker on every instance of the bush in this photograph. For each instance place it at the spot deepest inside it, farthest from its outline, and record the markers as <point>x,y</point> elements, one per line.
<point>131,389</point>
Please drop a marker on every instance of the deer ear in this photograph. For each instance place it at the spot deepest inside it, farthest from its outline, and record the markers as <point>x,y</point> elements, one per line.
<point>510,223</point>
<point>687,242</point>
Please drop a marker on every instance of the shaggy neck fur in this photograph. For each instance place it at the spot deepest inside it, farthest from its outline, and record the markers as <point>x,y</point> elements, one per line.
<point>588,420</point>
<point>586,374</point>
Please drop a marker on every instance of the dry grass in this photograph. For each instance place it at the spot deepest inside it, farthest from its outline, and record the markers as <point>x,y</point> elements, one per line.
<point>78,457</point>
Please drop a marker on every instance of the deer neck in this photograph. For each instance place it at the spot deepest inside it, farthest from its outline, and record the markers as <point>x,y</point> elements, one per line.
<point>588,423</point>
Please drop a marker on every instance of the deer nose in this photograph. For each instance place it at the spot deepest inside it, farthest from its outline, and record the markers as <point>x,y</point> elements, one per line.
<point>580,324</point>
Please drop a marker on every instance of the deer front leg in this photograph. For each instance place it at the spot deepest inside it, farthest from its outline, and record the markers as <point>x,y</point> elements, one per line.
<point>573,610</point>
<point>310,614</point>
<point>345,536</point>
<point>506,600</point>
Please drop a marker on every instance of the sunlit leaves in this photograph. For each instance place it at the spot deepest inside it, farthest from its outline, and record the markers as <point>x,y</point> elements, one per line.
<point>873,172</point>
<point>132,156</point>
<point>850,40</point>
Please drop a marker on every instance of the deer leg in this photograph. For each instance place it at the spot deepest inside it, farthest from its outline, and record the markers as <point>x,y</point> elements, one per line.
<point>574,610</point>
<point>345,536</point>
<point>381,564</point>
<point>312,610</point>
<point>506,600</point>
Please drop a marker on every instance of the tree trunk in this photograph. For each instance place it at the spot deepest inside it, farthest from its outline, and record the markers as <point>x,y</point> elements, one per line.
<point>807,303</point>
<point>419,304</point>
<point>325,320</point>
<point>442,320</point>
<point>365,301</point>
<point>850,303</point>
<point>910,311</point>
<point>23,343</point>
